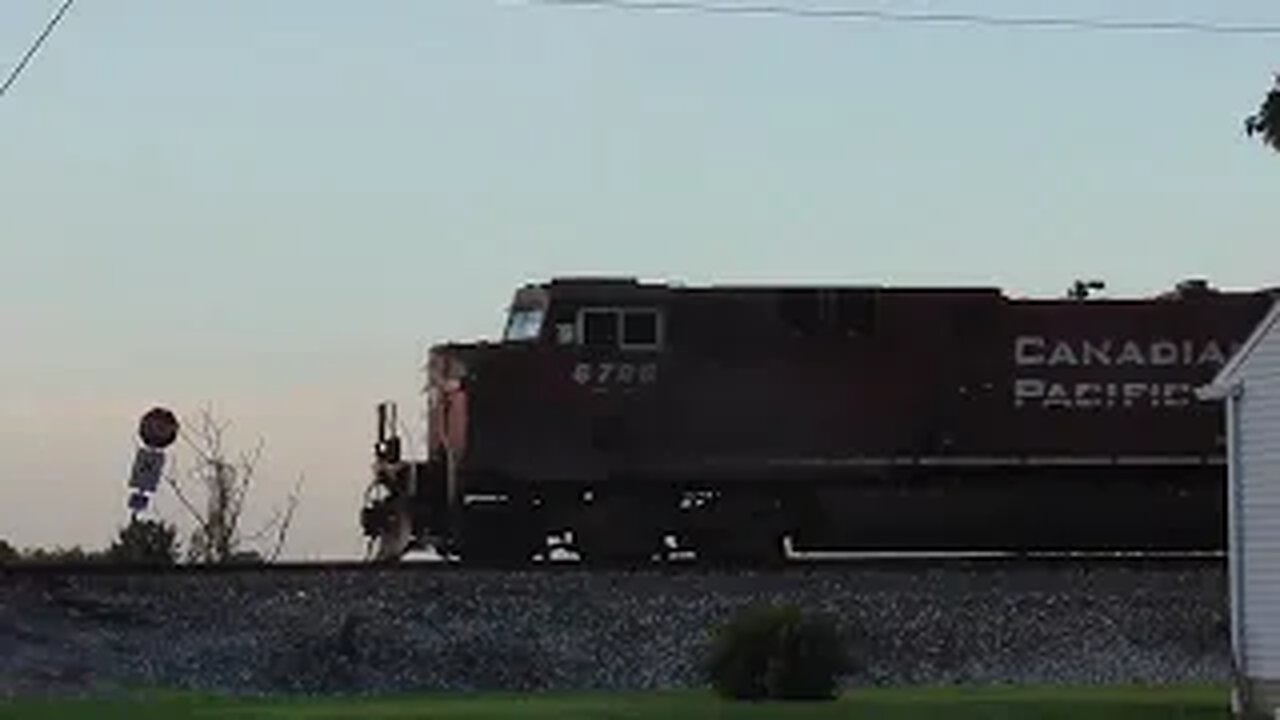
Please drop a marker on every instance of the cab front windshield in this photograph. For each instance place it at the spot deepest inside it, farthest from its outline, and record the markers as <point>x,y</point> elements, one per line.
<point>523,325</point>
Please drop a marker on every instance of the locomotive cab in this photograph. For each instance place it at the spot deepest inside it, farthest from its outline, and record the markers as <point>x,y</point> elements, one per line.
<point>507,420</point>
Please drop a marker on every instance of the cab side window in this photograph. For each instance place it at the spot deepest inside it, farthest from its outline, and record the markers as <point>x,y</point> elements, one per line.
<point>640,328</point>
<point>620,328</point>
<point>599,328</point>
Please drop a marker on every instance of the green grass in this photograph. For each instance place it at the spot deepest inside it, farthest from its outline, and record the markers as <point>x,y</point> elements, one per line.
<point>1122,703</point>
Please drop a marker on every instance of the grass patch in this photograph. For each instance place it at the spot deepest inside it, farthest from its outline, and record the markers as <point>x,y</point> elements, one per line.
<point>999,703</point>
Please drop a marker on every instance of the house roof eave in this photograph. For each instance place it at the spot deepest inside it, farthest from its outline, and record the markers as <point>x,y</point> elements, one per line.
<point>1227,380</point>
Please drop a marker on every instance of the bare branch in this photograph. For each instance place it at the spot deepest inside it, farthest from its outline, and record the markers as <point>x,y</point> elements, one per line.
<point>248,470</point>
<point>203,435</point>
<point>288,518</point>
<point>266,528</point>
<point>227,484</point>
<point>182,498</point>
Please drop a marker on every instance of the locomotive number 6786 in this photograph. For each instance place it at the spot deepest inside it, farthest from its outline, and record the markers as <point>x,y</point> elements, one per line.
<point>615,373</point>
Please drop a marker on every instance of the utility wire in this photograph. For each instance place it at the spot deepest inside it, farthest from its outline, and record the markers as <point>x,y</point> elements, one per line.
<point>31,51</point>
<point>832,13</point>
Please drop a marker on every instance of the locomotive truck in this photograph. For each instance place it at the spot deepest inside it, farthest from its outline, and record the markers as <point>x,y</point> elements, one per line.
<point>631,421</point>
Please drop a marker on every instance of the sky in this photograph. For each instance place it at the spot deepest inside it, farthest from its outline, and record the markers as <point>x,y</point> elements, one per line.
<point>274,209</point>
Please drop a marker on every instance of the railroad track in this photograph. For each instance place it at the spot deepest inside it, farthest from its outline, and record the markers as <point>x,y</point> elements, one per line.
<point>907,562</point>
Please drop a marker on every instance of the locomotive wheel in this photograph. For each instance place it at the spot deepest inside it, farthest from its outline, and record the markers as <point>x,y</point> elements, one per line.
<point>614,555</point>
<point>618,530</point>
<point>747,549</point>
<point>500,537</point>
<point>603,546</point>
<point>742,528</point>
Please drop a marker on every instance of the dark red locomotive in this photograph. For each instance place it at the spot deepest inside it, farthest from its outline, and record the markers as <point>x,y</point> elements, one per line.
<point>628,420</point>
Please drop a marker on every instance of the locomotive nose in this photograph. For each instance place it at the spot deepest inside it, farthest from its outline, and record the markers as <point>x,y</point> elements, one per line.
<point>447,373</point>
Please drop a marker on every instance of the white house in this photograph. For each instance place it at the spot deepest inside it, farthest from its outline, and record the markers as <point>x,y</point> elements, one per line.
<point>1250,385</point>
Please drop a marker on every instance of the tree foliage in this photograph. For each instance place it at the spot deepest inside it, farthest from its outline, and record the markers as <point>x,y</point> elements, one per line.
<point>777,653</point>
<point>140,542</point>
<point>74,555</point>
<point>10,555</point>
<point>1265,123</point>
<point>145,542</point>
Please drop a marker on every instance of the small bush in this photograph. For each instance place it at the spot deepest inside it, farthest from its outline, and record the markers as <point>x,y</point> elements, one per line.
<point>777,653</point>
<point>145,542</point>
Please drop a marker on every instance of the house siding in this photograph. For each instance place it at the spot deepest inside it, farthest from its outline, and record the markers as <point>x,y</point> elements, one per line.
<point>1258,482</point>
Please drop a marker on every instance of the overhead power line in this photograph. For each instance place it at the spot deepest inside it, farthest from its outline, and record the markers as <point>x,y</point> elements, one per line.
<point>937,18</point>
<point>35,46</point>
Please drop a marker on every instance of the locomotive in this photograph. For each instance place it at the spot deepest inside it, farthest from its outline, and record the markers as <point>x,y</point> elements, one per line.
<point>630,421</point>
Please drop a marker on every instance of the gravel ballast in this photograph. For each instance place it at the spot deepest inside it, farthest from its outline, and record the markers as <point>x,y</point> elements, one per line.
<point>397,631</point>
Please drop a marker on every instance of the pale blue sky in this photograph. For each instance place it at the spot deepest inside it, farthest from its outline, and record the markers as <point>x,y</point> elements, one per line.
<point>276,207</point>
